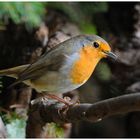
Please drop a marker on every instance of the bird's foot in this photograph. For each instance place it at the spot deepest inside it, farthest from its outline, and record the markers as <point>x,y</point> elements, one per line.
<point>66,101</point>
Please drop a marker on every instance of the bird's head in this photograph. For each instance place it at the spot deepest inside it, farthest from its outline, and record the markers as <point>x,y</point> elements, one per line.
<point>92,49</point>
<point>100,47</point>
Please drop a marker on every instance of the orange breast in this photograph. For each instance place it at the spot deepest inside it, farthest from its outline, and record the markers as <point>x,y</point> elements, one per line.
<point>85,65</point>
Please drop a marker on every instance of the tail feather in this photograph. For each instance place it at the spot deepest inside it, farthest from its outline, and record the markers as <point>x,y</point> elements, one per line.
<point>13,72</point>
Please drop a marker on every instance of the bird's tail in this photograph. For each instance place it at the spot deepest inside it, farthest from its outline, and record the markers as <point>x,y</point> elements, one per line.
<point>13,72</point>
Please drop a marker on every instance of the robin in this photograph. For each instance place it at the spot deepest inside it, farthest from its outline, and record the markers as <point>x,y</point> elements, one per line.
<point>64,68</point>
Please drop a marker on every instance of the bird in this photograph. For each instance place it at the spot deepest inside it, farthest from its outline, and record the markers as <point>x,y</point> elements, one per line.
<point>65,67</point>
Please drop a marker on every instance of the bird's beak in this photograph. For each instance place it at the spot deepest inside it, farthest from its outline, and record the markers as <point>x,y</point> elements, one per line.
<point>110,55</point>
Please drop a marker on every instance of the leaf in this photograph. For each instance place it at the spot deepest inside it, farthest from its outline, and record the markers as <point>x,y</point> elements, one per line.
<point>16,128</point>
<point>30,13</point>
<point>54,130</point>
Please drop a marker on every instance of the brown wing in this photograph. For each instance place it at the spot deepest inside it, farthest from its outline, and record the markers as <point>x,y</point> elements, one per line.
<point>40,68</point>
<point>46,63</point>
<point>37,70</point>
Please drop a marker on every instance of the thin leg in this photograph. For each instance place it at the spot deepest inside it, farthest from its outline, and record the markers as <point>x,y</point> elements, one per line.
<point>58,99</point>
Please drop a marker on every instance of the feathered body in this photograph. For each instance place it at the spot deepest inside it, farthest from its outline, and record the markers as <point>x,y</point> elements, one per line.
<point>66,67</point>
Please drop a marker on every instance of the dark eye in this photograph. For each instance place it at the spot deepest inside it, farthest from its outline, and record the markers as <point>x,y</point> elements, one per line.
<point>96,45</point>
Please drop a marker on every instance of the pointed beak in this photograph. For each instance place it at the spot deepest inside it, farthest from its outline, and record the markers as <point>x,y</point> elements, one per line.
<point>110,55</point>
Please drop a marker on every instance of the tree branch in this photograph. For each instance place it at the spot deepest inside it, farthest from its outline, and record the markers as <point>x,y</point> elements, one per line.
<point>52,111</point>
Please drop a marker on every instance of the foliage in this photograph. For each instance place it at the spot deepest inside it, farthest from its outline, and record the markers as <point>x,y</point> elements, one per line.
<point>55,130</point>
<point>30,13</point>
<point>16,128</point>
<point>81,13</point>
<point>15,125</point>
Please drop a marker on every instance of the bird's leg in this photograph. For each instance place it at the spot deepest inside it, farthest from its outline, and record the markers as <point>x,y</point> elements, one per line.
<point>58,99</point>
<point>72,97</point>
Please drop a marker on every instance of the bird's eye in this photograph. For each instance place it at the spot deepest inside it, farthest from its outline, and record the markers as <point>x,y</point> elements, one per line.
<point>96,44</point>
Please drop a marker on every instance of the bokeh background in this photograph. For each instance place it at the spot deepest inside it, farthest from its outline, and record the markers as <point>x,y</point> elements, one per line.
<point>28,29</point>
